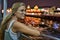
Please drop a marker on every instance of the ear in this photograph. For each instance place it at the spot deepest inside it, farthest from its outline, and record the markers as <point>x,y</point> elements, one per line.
<point>15,13</point>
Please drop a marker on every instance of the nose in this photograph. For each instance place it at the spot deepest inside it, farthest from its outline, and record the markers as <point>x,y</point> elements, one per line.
<point>24,12</point>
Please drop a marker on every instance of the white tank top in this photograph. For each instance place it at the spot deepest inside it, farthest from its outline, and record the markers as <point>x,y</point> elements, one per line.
<point>13,35</point>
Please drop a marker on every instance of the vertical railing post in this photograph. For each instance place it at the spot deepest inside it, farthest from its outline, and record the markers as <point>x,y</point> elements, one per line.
<point>0,11</point>
<point>5,8</point>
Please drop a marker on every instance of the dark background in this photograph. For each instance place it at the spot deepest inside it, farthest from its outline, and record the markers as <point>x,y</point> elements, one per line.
<point>40,3</point>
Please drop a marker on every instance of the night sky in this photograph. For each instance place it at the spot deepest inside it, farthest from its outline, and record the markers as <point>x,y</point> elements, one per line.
<point>40,3</point>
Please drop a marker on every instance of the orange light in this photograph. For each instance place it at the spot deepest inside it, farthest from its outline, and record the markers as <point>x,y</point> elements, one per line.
<point>28,7</point>
<point>36,7</point>
<point>10,9</point>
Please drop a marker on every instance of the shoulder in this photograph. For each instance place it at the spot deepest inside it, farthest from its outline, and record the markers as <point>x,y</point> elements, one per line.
<point>17,24</point>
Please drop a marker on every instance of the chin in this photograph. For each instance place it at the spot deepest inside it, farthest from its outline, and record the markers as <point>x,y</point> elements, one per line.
<point>22,17</point>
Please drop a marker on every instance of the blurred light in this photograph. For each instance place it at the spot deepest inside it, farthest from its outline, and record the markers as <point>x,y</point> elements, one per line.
<point>28,7</point>
<point>32,13</point>
<point>42,9</point>
<point>2,11</point>
<point>58,8</point>
<point>36,7</point>
<point>8,10</point>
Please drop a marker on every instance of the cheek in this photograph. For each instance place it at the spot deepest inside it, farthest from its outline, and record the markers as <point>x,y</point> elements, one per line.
<point>20,15</point>
<point>17,15</point>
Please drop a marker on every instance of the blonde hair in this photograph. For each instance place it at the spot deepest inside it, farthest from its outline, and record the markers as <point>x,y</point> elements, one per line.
<point>8,17</point>
<point>14,9</point>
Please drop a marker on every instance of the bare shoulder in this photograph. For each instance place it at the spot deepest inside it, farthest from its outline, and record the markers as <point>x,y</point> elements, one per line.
<point>18,24</point>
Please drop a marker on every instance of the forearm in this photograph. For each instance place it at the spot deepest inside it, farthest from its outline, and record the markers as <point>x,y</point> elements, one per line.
<point>30,31</point>
<point>25,29</point>
<point>33,28</point>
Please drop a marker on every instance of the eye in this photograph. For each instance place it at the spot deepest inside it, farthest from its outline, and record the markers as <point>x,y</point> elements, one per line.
<point>22,10</point>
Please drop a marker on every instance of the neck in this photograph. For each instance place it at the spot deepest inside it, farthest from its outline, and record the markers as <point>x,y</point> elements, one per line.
<point>21,20</point>
<point>15,18</point>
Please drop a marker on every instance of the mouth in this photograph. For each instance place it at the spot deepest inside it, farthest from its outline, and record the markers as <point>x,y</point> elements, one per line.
<point>22,16</point>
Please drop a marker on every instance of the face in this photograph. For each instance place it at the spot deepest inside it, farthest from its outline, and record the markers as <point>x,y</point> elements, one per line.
<point>21,12</point>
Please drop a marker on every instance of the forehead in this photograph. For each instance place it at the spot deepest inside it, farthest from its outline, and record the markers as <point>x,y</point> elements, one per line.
<point>21,7</point>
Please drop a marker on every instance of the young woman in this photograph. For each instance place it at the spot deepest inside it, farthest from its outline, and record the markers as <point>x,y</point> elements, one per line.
<point>14,27</point>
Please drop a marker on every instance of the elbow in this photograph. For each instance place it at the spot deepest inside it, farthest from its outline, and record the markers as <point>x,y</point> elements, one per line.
<point>37,34</point>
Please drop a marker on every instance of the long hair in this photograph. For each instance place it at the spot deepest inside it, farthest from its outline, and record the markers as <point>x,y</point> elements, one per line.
<point>14,9</point>
<point>5,20</point>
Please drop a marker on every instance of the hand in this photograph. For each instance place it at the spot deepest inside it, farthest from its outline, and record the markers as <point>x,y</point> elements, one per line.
<point>41,29</point>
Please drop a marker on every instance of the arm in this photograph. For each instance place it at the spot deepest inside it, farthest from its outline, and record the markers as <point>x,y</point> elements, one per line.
<point>30,26</point>
<point>25,29</point>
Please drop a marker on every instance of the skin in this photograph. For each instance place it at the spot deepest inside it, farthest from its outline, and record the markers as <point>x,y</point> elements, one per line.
<point>18,26</point>
<point>20,12</point>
